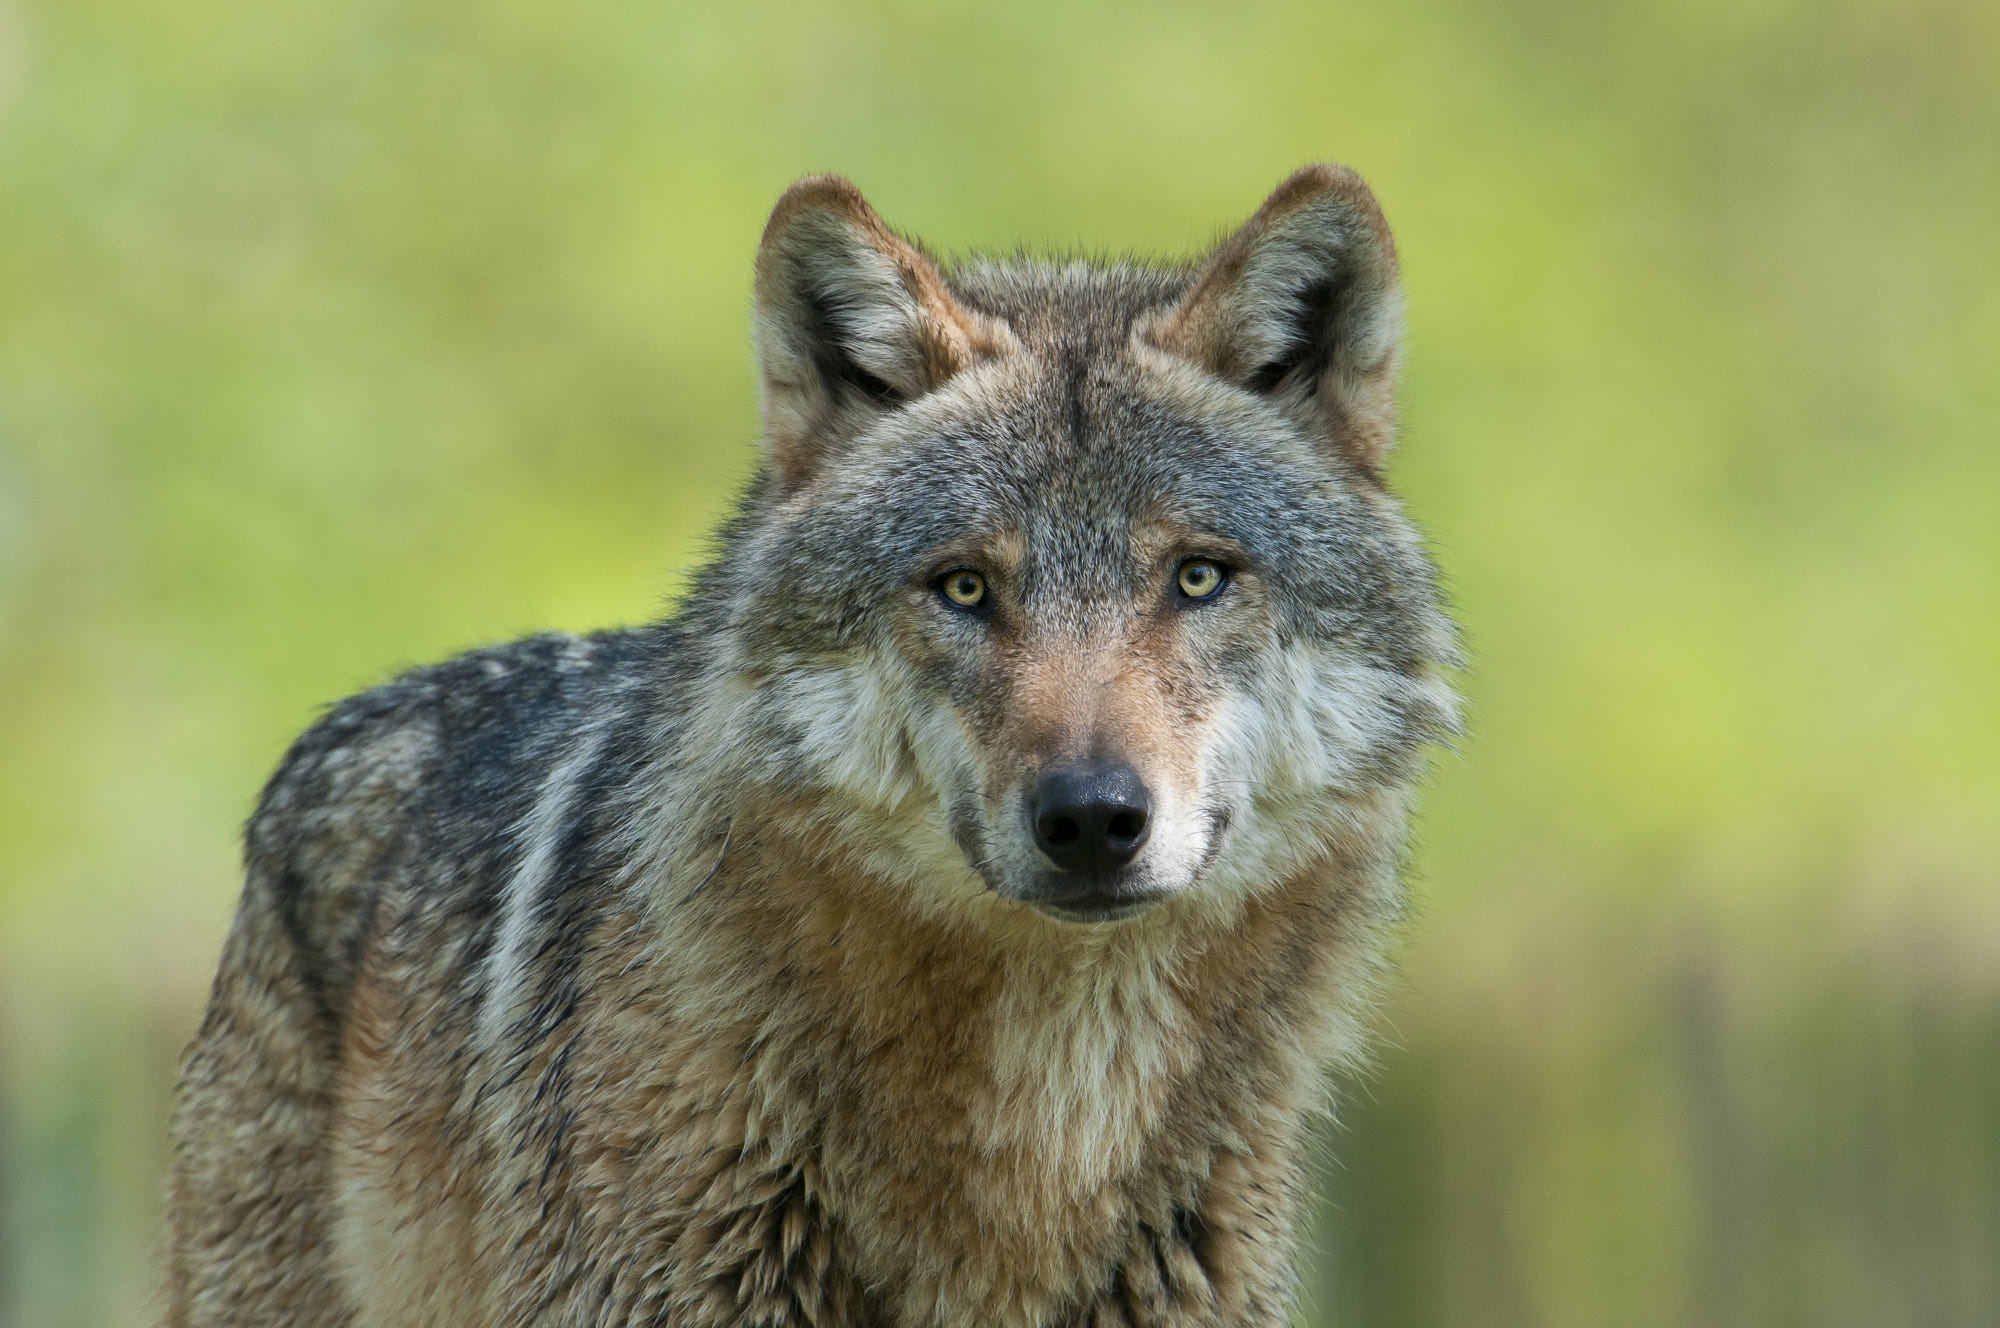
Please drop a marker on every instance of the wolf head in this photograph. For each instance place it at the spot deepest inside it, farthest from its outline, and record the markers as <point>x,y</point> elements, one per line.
<point>1075,587</point>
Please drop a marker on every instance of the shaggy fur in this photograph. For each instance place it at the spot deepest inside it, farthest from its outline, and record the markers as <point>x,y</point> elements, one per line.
<point>710,972</point>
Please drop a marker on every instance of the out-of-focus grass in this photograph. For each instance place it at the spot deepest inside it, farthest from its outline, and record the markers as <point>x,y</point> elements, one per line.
<point>334,338</point>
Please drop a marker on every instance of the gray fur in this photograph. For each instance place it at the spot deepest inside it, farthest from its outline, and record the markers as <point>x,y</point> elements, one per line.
<point>458,869</point>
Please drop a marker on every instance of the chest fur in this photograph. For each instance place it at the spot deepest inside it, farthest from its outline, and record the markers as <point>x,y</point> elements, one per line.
<point>973,1134</point>
<point>993,1136</point>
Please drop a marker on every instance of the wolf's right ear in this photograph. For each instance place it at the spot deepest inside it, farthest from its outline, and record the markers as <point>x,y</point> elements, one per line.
<point>1302,306</point>
<point>852,322</point>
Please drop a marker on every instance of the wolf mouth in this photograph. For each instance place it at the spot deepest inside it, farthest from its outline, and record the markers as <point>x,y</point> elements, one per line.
<point>1089,899</point>
<point>1092,910</point>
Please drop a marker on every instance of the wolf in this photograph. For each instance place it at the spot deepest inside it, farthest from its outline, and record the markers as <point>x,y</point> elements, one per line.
<point>947,916</point>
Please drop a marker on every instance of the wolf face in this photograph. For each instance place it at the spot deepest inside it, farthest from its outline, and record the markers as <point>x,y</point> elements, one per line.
<point>1076,585</point>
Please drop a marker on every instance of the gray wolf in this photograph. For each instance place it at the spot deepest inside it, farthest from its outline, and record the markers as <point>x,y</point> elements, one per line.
<point>945,917</point>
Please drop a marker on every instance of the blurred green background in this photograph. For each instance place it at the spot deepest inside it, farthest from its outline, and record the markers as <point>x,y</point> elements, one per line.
<point>336,337</point>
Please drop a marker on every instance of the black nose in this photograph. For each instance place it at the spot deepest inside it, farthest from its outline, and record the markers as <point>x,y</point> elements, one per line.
<point>1091,818</point>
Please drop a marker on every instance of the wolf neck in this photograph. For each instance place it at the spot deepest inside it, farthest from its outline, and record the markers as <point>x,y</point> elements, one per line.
<point>983,1115</point>
<point>984,1096</point>
<point>1058,1048</point>
<point>1053,1052</point>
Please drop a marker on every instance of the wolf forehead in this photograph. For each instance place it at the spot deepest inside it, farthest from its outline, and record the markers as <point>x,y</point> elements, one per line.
<point>1077,405</point>
<point>1076,456</point>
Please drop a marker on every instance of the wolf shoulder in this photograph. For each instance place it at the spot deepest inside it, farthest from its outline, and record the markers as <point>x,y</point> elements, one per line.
<point>430,783</point>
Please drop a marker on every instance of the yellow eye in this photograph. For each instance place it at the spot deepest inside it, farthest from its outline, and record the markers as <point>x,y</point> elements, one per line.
<point>965,587</point>
<point>1201,578</point>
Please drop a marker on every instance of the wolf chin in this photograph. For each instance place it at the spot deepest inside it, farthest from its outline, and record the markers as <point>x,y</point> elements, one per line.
<point>946,917</point>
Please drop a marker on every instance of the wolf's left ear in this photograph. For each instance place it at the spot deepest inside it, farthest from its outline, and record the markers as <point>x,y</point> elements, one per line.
<point>853,321</point>
<point>1302,306</point>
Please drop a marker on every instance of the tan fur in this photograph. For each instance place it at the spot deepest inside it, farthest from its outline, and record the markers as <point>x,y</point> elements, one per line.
<point>1033,1082</point>
<point>695,975</point>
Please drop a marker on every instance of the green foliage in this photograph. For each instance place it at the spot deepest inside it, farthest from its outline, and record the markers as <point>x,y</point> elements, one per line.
<point>337,337</point>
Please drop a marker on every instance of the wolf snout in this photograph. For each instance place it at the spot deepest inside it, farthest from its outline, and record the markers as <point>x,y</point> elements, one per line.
<point>1091,819</point>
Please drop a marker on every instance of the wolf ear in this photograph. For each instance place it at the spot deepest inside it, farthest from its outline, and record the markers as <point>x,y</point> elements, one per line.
<point>853,321</point>
<point>1302,306</point>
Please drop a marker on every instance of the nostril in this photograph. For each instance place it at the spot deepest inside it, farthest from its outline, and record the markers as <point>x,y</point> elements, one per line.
<point>1124,827</point>
<point>1063,830</point>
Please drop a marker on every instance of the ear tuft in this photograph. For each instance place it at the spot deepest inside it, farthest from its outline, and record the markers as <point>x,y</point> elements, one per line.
<point>1303,306</point>
<point>853,321</point>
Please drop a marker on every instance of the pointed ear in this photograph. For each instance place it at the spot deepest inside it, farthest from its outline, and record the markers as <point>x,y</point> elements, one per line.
<point>853,321</point>
<point>1302,306</point>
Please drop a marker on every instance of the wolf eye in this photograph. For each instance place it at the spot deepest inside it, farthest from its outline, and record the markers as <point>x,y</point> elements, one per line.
<point>964,587</point>
<point>1200,578</point>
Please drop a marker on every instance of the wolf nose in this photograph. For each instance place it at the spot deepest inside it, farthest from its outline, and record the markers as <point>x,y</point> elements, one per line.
<point>1091,818</point>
